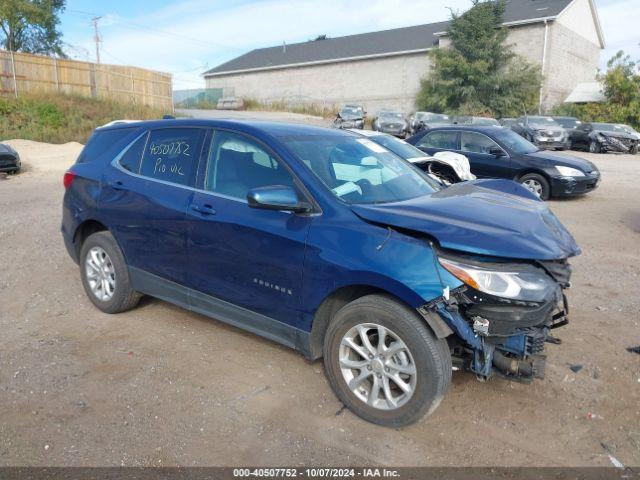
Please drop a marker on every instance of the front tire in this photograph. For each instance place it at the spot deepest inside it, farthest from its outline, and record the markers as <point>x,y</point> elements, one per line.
<point>384,363</point>
<point>105,276</point>
<point>537,184</point>
<point>594,147</point>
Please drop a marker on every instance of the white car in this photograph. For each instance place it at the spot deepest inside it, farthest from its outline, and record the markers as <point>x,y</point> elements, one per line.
<point>448,167</point>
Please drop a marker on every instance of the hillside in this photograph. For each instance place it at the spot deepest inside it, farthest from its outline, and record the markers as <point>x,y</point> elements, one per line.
<point>63,118</point>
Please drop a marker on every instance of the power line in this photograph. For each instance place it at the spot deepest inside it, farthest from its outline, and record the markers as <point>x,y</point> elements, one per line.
<point>152,30</point>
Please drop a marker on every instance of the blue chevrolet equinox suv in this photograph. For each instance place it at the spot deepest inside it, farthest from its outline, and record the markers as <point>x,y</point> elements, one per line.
<point>328,243</point>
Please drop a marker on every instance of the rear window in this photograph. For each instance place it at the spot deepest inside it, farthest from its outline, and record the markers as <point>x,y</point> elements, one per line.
<point>172,154</point>
<point>130,159</point>
<point>105,144</point>
<point>445,139</point>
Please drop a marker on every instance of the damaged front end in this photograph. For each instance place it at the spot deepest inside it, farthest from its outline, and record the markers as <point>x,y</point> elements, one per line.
<point>503,313</point>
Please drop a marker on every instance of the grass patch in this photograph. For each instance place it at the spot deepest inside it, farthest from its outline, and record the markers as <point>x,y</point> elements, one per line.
<point>64,118</point>
<point>325,111</point>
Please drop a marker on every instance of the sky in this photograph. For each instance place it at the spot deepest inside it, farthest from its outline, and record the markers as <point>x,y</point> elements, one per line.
<point>187,37</point>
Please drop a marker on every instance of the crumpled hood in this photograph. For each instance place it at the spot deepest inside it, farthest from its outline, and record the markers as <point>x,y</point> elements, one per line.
<point>499,218</point>
<point>607,133</point>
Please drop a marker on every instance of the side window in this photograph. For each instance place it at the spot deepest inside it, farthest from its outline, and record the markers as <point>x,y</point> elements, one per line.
<point>440,139</point>
<point>130,159</point>
<point>476,143</point>
<point>172,154</point>
<point>237,164</point>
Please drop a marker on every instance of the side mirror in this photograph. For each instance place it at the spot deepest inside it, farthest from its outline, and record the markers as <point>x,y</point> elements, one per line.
<point>496,152</point>
<point>276,197</point>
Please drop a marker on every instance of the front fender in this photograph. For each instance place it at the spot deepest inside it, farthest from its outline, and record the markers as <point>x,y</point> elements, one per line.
<point>374,256</point>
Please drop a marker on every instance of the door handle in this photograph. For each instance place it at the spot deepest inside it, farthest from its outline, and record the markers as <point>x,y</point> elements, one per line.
<point>203,209</point>
<point>117,185</point>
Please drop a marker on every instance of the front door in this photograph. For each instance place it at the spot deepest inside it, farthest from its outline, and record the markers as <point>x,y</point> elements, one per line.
<point>248,257</point>
<point>486,158</point>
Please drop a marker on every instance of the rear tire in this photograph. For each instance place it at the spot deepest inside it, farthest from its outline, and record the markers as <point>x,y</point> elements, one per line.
<point>105,276</point>
<point>410,352</point>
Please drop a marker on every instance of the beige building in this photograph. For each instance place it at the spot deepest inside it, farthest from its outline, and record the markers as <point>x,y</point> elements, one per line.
<point>383,69</point>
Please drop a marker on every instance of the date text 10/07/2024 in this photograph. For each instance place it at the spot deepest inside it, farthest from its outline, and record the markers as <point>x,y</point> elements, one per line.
<point>316,472</point>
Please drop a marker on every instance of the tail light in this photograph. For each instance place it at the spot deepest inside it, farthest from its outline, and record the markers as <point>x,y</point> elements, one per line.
<point>67,180</point>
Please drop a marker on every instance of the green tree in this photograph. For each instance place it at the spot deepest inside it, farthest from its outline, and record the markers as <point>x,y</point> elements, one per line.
<point>477,74</point>
<point>31,26</point>
<point>621,89</point>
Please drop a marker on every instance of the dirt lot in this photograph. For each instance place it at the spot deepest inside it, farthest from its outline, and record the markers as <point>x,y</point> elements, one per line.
<point>162,386</point>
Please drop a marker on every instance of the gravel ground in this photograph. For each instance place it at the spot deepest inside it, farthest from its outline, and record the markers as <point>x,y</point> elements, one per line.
<point>162,386</point>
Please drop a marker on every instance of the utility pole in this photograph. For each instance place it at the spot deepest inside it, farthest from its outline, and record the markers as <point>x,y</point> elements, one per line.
<point>96,37</point>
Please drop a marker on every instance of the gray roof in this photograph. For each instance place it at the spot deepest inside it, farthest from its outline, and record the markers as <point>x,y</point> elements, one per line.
<point>386,42</point>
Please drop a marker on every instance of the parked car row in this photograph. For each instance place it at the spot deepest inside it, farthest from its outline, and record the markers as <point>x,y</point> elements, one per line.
<point>548,132</point>
<point>562,133</point>
<point>457,153</point>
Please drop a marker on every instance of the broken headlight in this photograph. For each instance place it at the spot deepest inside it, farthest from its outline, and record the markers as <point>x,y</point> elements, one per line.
<point>513,281</point>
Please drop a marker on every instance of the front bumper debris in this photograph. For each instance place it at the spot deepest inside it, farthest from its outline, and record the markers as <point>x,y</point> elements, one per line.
<point>500,337</point>
<point>613,144</point>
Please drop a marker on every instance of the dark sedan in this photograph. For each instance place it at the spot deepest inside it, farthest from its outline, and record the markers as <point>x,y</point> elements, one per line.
<point>543,132</point>
<point>9,159</point>
<point>603,137</point>
<point>497,152</point>
<point>391,122</point>
<point>350,116</point>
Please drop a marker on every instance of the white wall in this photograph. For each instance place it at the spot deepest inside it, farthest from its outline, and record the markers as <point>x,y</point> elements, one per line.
<point>376,83</point>
<point>579,18</point>
<point>572,59</point>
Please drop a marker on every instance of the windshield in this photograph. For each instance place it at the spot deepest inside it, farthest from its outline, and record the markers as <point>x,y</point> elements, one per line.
<point>568,122</point>
<point>627,128</point>
<point>484,121</point>
<point>543,121</point>
<point>357,170</point>
<point>399,147</point>
<point>608,127</point>
<point>351,112</point>
<point>513,141</point>
<point>392,115</point>
<point>433,117</point>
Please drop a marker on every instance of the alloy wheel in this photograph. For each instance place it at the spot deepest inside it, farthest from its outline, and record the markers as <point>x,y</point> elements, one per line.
<point>101,274</point>
<point>534,186</point>
<point>377,366</point>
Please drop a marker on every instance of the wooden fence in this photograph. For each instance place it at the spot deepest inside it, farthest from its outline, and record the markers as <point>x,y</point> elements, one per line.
<point>25,73</point>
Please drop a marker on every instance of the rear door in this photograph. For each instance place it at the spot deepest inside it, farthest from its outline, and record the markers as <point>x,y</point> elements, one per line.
<point>439,141</point>
<point>477,147</point>
<point>146,195</point>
